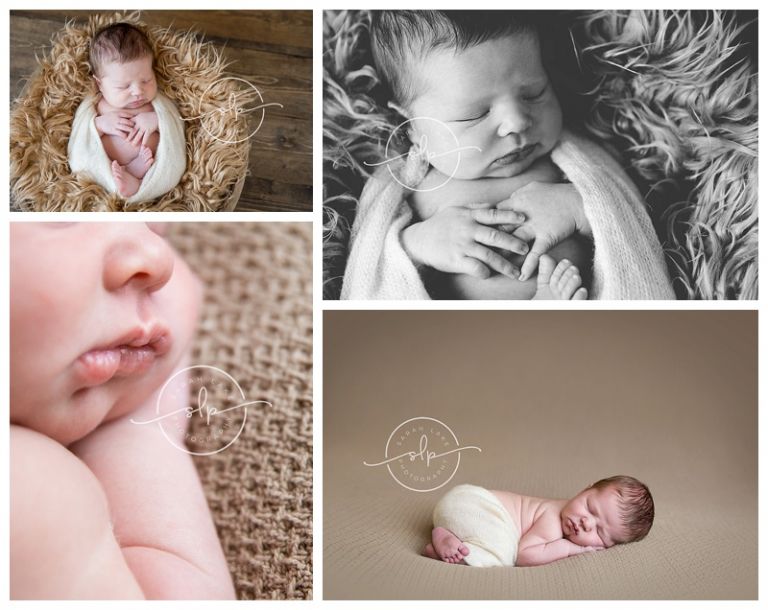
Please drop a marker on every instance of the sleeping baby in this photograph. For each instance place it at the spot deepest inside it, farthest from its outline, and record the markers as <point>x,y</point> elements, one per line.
<point>489,197</point>
<point>477,527</point>
<point>479,99</point>
<point>101,316</point>
<point>116,137</point>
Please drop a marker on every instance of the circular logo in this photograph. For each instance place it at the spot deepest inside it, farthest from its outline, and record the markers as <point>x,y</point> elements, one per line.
<point>233,109</point>
<point>216,414</point>
<point>421,150</point>
<point>422,454</point>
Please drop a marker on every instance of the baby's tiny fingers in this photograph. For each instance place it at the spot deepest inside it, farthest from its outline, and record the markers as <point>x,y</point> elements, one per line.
<point>495,216</point>
<point>495,261</point>
<point>472,266</point>
<point>498,239</point>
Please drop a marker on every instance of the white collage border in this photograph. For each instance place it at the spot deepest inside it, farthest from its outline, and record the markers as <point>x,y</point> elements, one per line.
<point>319,305</point>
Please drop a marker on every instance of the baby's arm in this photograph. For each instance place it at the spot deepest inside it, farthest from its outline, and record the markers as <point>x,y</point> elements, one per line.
<point>546,552</point>
<point>62,544</point>
<point>161,517</point>
<point>543,542</point>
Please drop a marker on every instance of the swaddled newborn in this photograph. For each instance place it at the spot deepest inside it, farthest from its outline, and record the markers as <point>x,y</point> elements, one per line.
<point>116,136</point>
<point>483,528</point>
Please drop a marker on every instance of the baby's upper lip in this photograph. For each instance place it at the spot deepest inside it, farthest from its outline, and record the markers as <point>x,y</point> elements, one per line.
<point>517,151</point>
<point>153,335</point>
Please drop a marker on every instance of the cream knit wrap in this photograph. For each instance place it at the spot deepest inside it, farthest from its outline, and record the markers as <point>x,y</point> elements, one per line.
<point>628,261</point>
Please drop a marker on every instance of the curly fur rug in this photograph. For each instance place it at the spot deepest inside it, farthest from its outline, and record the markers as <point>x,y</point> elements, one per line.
<point>674,91</point>
<point>189,72</point>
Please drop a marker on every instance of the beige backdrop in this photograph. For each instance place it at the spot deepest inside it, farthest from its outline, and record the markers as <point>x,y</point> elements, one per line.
<point>555,400</point>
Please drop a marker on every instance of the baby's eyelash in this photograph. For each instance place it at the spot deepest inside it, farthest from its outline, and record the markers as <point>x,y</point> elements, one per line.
<point>537,96</point>
<point>477,118</point>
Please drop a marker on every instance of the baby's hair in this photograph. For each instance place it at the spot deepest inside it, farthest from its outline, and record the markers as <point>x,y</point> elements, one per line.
<point>635,505</point>
<point>401,39</point>
<point>121,42</point>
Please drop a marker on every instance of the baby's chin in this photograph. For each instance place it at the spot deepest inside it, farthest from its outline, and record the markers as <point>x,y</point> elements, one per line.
<point>492,170</point>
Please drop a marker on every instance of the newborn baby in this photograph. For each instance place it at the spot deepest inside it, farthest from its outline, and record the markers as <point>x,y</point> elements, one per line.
<point>123,68</point>
<point>116,136</point>
<point>482,528</point>
<point>101,316</point>
<point>485,114</point>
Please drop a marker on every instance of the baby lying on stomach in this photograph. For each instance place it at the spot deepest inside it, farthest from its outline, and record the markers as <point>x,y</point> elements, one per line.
<point>482,528</point>
<point>101,315</point>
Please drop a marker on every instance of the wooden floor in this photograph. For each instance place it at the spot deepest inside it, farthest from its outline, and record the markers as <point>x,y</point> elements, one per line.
<point>261,46</point>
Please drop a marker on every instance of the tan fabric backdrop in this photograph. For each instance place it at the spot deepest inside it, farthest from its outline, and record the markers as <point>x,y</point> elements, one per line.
<point>256,325</point>
<point>555,400</point>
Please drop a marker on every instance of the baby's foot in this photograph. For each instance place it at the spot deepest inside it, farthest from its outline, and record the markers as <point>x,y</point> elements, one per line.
<point>141,163</point>
<point>429,551</point>
<point>447,546</point>
<point>127,184</point>
<point>559,282</point>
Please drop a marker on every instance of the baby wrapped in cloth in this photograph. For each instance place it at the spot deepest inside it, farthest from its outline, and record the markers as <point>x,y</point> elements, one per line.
<point>480,521</point>
<point>628,261</point>
<point>87,155</point>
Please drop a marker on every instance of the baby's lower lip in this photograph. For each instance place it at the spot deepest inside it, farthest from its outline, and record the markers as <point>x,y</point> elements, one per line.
<point>515,157</point>
<point>101,365</point>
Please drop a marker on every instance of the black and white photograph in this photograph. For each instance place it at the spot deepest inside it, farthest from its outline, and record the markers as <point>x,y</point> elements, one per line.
<point>605,155</point>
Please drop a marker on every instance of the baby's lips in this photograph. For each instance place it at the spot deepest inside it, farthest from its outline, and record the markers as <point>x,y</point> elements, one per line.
<point>98,366</point>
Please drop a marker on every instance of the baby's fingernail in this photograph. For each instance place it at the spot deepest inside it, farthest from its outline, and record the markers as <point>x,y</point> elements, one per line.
<point>522,277</point>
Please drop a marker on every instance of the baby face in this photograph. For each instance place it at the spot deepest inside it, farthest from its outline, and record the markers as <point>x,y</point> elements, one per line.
<point>100,315</point>
<point>494,98</point>
<point>127,85</point>
<point>593,518</point>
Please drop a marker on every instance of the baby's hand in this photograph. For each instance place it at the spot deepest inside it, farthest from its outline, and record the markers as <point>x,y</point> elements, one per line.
<point>144,125</point>
<point>553,212</point>
<point>461,240</point>
<point>577,549</point>
<point>116,123</point>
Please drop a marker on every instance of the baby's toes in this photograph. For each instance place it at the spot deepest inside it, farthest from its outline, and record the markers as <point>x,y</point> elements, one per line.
<point>558,273</point>
<point>581,294</point>
<point>463,550</point>
<point>570,283</point>
<point>546,265</point>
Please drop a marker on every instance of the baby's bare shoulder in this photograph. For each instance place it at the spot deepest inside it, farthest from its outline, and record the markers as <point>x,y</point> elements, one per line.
<point>60,525</point>
<point>541,517</point>
<point>44,473</point>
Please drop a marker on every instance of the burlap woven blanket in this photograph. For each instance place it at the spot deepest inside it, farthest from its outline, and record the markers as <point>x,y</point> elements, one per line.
<point>256,324</point>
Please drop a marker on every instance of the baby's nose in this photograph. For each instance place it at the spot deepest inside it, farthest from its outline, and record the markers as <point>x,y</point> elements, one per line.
<point>515,119</point>
<point>137,257</point>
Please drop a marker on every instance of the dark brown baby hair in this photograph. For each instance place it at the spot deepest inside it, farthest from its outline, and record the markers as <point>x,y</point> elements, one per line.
<point>635,505</point>
<point>120,42</point>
